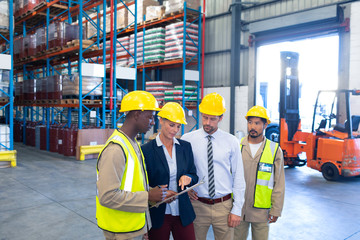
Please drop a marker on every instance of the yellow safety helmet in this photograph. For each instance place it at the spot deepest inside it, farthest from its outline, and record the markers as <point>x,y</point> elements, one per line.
<point>212,104</point>
<point>139,100</point>
<point>174,112</point>
<point>258,111</point>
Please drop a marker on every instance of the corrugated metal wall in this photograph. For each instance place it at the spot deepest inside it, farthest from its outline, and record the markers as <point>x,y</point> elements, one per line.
<point>218,33</point>
<point>283,7</point>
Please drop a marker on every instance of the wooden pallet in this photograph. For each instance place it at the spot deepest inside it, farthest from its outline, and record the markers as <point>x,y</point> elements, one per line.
<point>70,101</point>
<point>4,29</point>
<point>89,101</point>
<point>86,44</point>
<point>154,61</point>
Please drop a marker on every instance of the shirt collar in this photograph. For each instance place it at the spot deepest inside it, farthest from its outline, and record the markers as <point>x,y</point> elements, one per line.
<point>213,136</point>
<point>159,142</point>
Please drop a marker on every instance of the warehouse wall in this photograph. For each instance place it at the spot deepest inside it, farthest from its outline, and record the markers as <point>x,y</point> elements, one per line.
<point>354,68</point>
<point>218,38</point>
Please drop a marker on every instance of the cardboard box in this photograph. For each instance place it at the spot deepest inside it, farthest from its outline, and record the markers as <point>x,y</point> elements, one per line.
<point>91,137</point>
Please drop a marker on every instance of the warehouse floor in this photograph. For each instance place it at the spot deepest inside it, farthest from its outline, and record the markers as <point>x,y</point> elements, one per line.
<point>49,196</point>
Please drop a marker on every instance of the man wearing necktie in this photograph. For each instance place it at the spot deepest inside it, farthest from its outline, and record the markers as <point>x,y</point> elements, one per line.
<point>218,161</point>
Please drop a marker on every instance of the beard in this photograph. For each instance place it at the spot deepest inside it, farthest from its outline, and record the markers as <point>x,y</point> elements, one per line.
<point>254,134</point>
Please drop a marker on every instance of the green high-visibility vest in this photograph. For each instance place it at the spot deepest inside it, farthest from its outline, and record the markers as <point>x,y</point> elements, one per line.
<point>265,175</point>
<point>113,220</point>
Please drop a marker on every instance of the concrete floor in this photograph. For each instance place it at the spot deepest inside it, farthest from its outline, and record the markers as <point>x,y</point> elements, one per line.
<point>49,196</point>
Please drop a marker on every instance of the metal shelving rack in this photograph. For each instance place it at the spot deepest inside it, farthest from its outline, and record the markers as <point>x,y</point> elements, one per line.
<point>8,107</point>
<point>184,63</point>
<point>47,62</point>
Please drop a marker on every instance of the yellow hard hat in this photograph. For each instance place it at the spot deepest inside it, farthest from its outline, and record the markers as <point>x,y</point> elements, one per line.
<point>139,100</point>
<point>174,112</point>
<point>212,104</point>
<point>258,111</point>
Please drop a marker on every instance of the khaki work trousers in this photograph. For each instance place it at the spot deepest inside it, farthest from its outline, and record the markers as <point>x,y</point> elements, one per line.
<point>259,231</point>
<point>215,215</point>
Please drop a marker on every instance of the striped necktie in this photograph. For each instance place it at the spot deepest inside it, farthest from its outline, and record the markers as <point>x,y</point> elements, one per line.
<point>211,179</point>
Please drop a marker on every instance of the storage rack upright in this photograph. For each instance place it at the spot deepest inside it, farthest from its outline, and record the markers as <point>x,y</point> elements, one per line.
<point>187,75</point>
<point>64,58</point>
<point>7,106</point>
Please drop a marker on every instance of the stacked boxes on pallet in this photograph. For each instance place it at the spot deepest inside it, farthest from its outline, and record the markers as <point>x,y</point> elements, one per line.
<point>154,12</point>
<point>141,10</point>
<point>4,14</point>
<point>174,40</point>
<point>177,94</point>
<point>158,88</point>
<point>139,48</point>
<point>71,85</point>
<point>154,43</point>
<point>176,5</point>
<point>122,51</point>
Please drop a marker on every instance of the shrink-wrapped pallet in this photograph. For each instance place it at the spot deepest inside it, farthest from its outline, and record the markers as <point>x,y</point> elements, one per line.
<point>71,85</point>
<point>151,48</point>
<point>154,12</point>
<point>177,93</point>
<point>139,49</point>
<point>178,5</point>
<point>122,51</point>
<point>122,18</point>
<point>158,88</point>
<point>40,40</point>
<point>18,9</point>
<point>175,38</point>
<point>31,50</point>
<point>72,32</point>
<point>4,83</point>
<point>18,91</point>
<point>141,10</point>
<point>4,137</point>
<point>39,88</point>
<point>91,26</point>
<point>29,89</point>
<point>57,34</point>
<point>4,14</point>
<point>54,87</point>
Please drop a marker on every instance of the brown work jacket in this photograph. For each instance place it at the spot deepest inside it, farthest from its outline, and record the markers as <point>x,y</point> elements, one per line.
<point>249,213</point>
<point>111,169</point>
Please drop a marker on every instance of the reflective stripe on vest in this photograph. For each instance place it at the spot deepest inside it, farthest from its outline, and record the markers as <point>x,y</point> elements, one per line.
<point>132,181</point>
<point>265,175</point>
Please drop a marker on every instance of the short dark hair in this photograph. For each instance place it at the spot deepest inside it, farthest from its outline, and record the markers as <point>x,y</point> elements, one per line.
<point>262,119</point>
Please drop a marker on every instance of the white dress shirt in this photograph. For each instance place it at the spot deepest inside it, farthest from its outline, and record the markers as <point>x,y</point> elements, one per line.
<point>228,165</point>
<point>173,207</point>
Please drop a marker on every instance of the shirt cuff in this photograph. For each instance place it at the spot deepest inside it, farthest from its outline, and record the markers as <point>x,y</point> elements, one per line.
<point>236,210</point>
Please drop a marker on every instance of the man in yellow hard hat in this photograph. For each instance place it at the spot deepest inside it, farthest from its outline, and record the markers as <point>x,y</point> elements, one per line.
<point>218,161</point>
<point>264,175</point>
<point>122,184</point>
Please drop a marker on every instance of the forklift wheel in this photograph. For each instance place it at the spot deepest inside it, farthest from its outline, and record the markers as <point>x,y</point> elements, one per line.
<point>330,172</point>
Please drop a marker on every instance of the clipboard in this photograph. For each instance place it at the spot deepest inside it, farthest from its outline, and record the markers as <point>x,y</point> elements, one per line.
<point>178,194</point>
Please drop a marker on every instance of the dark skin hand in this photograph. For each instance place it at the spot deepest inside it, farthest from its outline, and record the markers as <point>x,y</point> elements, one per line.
<point>272,219</point>
<point>169,194</point>
<point>156,194</point>
<point>193,195</point>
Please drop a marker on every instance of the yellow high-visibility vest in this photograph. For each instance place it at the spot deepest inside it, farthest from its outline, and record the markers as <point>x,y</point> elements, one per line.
<point>265,175</point>
<point>117,221</point>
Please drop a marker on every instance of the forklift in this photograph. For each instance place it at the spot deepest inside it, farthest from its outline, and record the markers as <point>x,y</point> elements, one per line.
<point>333,144</point>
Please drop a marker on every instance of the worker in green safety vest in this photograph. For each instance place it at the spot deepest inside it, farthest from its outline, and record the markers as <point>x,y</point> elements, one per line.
<point>123,192</point>
<point>264,176</point>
